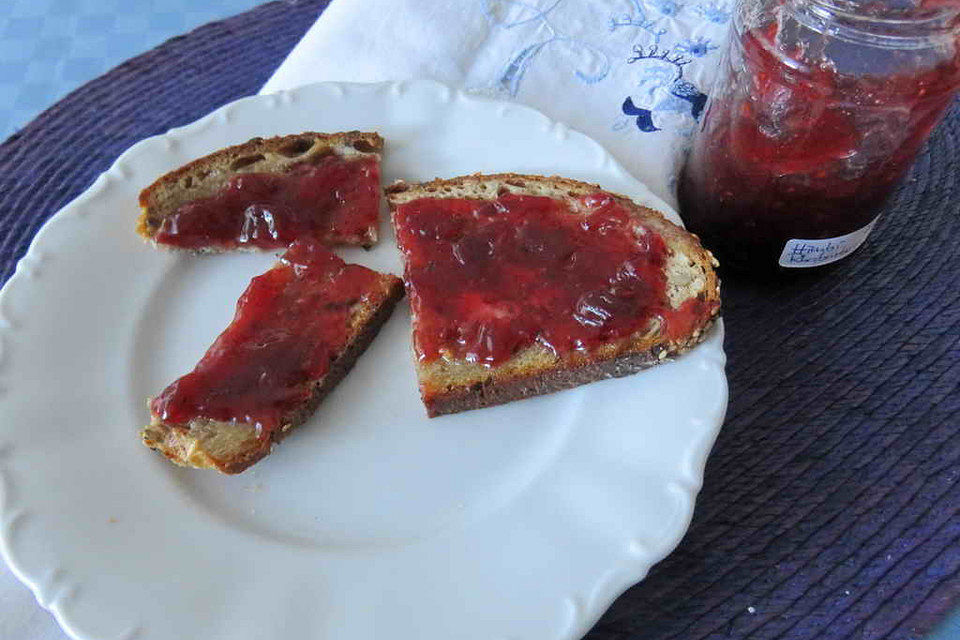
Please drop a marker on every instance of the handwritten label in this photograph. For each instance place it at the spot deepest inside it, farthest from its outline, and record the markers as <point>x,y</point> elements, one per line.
<point>799,253</point>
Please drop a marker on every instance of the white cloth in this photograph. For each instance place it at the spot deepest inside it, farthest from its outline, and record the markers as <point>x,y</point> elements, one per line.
<point>577,61</point>
<point>632,74</point>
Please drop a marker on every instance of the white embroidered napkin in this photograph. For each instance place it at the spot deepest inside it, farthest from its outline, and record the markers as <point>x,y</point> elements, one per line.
<point>632,74</point>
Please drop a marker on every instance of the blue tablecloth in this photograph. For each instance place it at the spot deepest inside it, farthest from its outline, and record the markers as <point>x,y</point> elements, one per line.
<point>50,47</point>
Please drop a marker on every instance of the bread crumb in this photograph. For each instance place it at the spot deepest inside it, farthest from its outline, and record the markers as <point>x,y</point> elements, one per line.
<point>112,520</point>
<point>751,610</point>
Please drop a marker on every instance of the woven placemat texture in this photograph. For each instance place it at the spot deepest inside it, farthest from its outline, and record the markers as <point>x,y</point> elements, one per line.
<point>831,505</point>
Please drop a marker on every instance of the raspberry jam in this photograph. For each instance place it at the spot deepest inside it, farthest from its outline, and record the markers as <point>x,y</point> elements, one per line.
<point>489,278</point>
<point>290,324</point>
<point>334,200</point>
<point>807,135</point>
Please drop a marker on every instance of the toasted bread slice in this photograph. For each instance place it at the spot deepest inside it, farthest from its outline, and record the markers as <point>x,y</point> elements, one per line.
<point>682,288</point>
<point>298,330</point>
<point>176,209</point>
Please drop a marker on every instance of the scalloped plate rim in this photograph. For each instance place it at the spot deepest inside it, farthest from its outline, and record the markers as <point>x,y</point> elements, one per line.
<point>632,570</point>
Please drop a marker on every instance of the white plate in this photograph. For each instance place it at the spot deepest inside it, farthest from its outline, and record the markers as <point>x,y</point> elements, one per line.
<point>370,521</point>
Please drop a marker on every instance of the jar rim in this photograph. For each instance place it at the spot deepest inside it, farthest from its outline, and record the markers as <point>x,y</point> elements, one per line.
<point>944,16</point>
<point>880,23</point>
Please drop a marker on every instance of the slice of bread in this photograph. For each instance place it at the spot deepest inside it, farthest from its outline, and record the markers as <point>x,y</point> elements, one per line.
<point>207,176</point>
<point>207,440</point>
<point>450,382</point>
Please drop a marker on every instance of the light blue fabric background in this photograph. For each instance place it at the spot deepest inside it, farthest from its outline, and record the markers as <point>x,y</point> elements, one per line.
<point>50,47</point>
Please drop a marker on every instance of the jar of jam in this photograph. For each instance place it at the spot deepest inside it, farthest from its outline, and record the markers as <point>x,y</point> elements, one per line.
<point>819,108</point>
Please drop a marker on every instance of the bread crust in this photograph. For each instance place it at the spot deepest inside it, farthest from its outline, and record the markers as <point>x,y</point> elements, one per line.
<point>230,448</point>
<point>205,176</point>
<point>450,386</point>
<point>542,382</point>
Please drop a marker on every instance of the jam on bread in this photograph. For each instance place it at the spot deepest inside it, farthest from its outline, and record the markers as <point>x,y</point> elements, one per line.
<point>265,194</point>
<point>297,330</point>
<point>524,284</point>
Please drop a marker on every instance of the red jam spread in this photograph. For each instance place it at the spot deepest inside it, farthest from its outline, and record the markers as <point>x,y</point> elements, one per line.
<point>490,278</point>
<point>798,147</point>
<point>290,324</point>
<point>333,200</point>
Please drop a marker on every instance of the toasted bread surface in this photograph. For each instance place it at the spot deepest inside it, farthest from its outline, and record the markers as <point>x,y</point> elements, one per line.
<point>231,447</point>
<point>206,176</point>
<point>449,385</point>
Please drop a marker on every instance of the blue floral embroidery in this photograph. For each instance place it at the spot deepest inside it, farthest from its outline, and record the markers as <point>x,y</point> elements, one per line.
<point>697,48</point>
<point>639,20</point>
<point>661,88</point>
<point>716,11</point>
<point>667,7</point>
<point>509,14</point>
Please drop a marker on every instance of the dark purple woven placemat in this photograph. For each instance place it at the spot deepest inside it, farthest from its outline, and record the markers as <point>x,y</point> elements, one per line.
<point>831,505</point>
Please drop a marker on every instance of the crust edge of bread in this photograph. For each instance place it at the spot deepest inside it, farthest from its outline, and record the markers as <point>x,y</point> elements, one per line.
<point>559,378</point>
<point>196,445</point>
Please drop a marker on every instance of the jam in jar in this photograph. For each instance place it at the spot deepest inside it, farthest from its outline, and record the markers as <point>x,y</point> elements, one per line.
<point>819,109</point>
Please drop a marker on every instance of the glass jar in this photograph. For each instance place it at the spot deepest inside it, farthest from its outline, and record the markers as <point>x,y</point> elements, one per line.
<point>819,109</point>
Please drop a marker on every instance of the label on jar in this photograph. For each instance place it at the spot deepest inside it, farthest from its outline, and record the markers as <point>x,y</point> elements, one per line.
<point>799,253</point>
